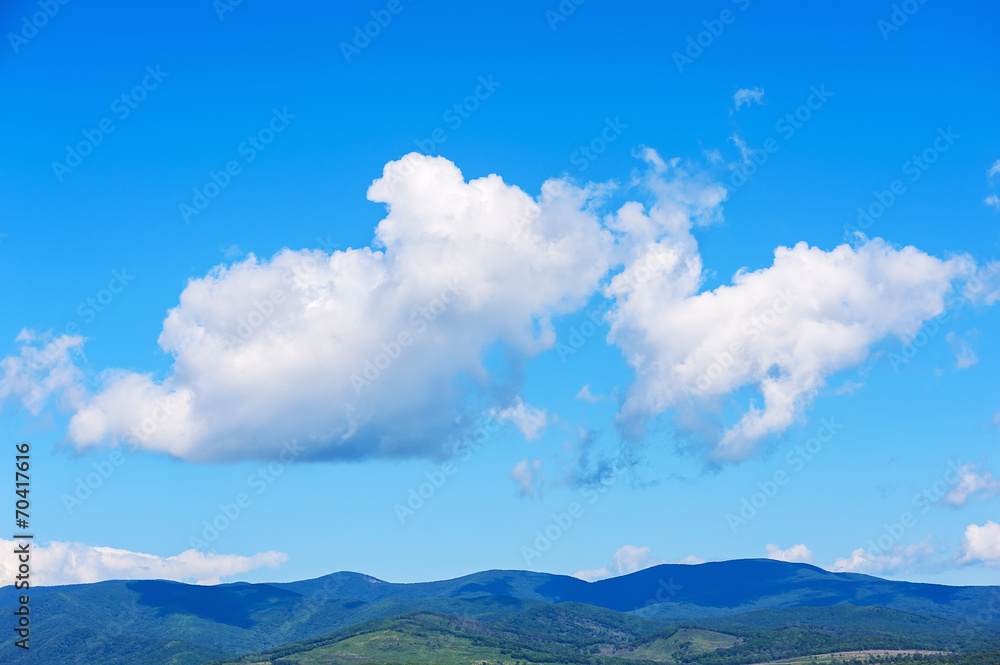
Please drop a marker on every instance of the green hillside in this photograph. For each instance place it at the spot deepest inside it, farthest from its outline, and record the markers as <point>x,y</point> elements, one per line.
<point>576,633</point>
<point>583,625</point>
<point>165,622</point>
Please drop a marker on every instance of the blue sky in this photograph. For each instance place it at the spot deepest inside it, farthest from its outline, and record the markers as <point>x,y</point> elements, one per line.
<point>784,121</point>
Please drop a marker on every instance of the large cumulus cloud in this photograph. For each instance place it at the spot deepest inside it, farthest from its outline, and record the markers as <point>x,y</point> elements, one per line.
<point>366,351</point>
<point>382,350</point>
<point>780,331</point>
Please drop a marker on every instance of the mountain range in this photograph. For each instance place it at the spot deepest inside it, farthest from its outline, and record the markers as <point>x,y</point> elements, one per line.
<point>729,611</point>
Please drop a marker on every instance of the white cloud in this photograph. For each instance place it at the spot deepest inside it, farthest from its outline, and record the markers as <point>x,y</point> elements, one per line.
<point>627,559</point>
<point>45,367</point>
<point>594,574</point>
<point>848,388</point>
<point>527,474</point>
<point>972,481</point>
<point>782,329</point>
<point>76,563</point>
<point>313,346</point>
<point>713,156</point>
<point>796,553</point>
<point>747,97</point>
<point>983,288</point>
<point>382,351</point>
<point>993,171</point>
<point>897,558</point>
<point>691,559</point>
<point>232,251</point>
<point>992,175</point>
<point>965,357</point>
<point>981,544</point>
<point>746,152</point>
<point>528,419</point>
<point>630,558</point>
<point>585,395</point>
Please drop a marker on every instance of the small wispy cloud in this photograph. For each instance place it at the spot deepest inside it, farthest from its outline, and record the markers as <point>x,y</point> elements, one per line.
<point>795,554</point>
<point>849,388</point>
<point>961,346</point>
<point>595,466</point>
<point>992,176</point>
<point>746,152</point>
<point>584,395</point>
<point>713,156</point>
<point>527,474</point>
<point>528,419</point>
<point>627,559</point>
<point>747,97</point>
<point>972,481</point>
<point>44,370</point>
<point>898,558</point>
<point>232,252</point>
<point>994,171</point>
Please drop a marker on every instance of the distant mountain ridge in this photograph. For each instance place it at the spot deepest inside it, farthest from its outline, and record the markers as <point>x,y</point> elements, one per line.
<point>670,590</point>
<point>154,621</point>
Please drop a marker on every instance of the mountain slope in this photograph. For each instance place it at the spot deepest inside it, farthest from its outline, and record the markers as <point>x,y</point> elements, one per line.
<point>680,591</point>
<point>232,619</point>
<point>577,633</point>
<point>215,622</point>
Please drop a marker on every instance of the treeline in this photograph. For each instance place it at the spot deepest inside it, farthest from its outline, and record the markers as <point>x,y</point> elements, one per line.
<point>574,639</point>
<point>991,657</point>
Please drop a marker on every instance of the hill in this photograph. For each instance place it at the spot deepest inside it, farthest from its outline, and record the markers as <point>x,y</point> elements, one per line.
<point>582,634</point>
<point>678,590</point>
<point>156,621</point>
